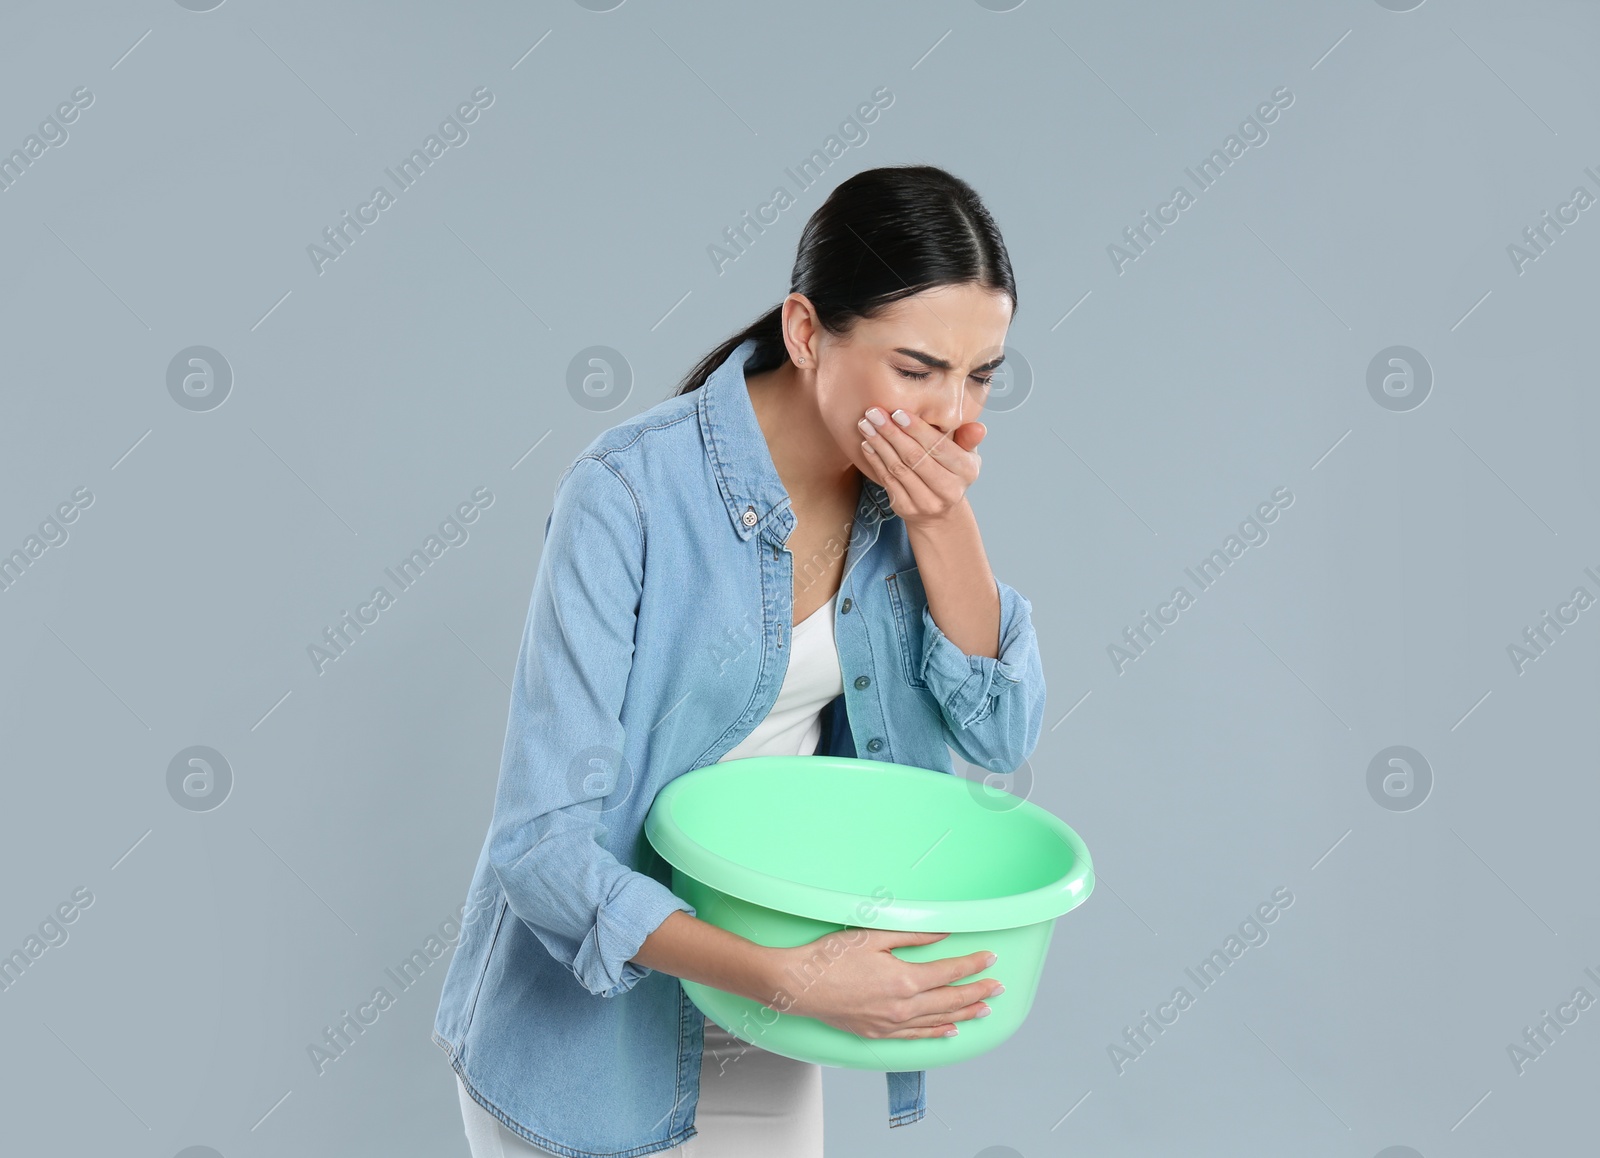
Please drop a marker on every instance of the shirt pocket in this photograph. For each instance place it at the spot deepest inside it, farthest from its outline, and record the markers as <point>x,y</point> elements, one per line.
<point>906,600</point>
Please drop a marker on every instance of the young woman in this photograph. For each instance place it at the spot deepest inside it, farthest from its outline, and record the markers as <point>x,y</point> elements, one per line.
<point>777,560</point>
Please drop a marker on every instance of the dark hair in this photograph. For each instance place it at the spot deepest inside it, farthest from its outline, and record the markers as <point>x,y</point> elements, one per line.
<point>882,235</point>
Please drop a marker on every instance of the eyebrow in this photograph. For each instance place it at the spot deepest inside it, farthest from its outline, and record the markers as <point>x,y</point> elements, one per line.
<point>941,364</point>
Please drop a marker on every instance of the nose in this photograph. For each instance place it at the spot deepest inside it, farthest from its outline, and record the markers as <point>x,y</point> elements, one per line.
<point>945,417</point>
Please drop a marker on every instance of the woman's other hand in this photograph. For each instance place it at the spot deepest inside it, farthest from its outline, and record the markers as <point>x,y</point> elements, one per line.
<point>851,981</point>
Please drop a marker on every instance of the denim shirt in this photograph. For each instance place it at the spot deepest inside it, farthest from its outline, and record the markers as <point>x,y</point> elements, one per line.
<point>656,640</point>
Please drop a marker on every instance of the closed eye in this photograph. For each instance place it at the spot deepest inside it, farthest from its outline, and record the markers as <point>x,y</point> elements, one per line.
<point>920,375</point>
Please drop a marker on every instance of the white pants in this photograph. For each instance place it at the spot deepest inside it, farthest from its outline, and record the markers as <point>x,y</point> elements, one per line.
<point>751,1102</point>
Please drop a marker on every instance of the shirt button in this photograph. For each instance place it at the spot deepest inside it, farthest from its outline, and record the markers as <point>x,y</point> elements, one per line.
<point>874,745</point>
<point>863,681</point>
<point>845,607</point>
<point>749,516</point>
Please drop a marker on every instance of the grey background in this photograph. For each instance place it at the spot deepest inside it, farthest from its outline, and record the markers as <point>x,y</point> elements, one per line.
<point>1166,402</point>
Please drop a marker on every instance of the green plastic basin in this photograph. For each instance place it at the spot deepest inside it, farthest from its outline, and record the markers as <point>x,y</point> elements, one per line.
<point>783,850</point>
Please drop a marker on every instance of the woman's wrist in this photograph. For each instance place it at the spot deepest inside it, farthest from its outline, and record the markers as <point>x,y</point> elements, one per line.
<point>769,975</point>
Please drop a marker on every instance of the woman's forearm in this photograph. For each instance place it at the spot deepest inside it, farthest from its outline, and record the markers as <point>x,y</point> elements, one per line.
<point>956,579</point>
<point>687,947</point>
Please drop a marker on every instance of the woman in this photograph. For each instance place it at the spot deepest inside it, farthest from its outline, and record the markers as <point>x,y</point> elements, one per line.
<point>777,560</point>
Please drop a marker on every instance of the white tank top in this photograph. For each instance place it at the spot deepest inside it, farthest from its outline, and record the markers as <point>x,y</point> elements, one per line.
<point>794,726</point>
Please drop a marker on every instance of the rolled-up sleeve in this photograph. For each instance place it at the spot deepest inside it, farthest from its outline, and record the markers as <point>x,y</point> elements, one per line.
<point>564,740</point>
<point>993,708</point>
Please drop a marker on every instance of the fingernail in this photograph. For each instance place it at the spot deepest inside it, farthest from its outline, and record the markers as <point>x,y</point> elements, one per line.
<point>951,1032</point>
<point>901,417</point>
<point>877,416</point>
<point>992,960</point>
<point>867,428</point>
<point>998,989</point>
<point>984,1012</point>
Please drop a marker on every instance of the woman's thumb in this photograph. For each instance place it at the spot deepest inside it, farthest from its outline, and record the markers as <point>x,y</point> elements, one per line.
<point>900,937</point>
<point>969,434</point>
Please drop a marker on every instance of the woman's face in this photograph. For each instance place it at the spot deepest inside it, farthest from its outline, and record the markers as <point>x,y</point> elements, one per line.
<point>929,354</point>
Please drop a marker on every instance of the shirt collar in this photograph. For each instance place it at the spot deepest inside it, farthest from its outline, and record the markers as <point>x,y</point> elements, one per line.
<point>749,482</point>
